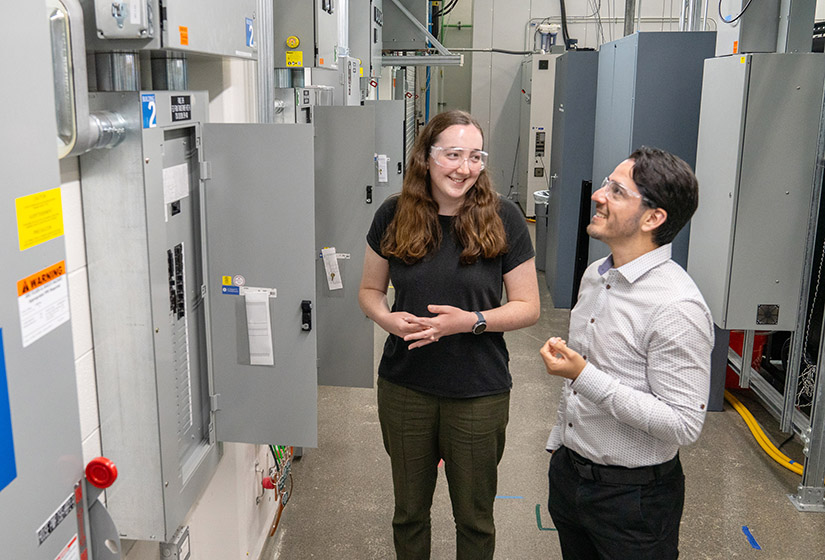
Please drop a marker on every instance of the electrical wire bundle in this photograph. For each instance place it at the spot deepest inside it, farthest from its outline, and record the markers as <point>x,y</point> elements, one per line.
<point>277,480</point>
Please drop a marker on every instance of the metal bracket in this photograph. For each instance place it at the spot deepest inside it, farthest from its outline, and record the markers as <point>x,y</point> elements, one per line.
<point>809,499</point>
<point>206,171</point>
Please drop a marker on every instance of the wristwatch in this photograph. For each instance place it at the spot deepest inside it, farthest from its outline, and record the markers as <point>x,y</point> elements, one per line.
<point>481,324</point>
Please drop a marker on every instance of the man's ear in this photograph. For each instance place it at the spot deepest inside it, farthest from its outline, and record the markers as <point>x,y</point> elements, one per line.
<point>654,218</point>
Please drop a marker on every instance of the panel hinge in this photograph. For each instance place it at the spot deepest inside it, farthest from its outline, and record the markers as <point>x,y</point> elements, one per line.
<point>213,402</point>
<point>206,171</point>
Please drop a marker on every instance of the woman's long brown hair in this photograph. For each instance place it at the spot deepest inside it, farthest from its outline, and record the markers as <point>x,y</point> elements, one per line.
<point>414,231</point>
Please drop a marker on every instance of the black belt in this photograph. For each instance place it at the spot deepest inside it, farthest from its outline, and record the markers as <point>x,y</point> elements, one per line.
<point>612,474</point>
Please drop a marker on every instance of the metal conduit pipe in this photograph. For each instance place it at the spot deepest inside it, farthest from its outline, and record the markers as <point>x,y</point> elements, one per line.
<point>117,71</point>
<point>169,71</point>
<point>78,130</point>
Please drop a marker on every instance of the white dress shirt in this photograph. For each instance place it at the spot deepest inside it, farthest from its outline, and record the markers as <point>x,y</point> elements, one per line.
<point>646,334</point>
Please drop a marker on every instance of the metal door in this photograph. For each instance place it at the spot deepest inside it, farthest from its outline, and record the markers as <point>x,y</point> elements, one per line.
<point>258,207</point>
<point>389,141</point>
<point>41,459</point>
<point>344,207</point>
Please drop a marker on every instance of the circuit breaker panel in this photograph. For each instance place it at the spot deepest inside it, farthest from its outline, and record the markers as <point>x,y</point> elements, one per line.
<point>144,249</point>
<point>200,254</point>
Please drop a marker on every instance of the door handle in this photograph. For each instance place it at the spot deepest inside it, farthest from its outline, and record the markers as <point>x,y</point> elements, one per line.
<point>306,315</point>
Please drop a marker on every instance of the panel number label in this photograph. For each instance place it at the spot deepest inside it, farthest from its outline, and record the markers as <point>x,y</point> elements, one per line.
<point>150,110</point>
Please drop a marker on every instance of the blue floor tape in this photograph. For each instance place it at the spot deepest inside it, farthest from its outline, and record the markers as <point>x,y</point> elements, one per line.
<point>750,538</point>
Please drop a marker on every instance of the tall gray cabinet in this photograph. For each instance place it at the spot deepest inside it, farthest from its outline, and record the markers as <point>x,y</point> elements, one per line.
<point>571,167</point>
<point>650,85</point>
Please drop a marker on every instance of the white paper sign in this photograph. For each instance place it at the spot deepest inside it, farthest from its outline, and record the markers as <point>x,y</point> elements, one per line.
<point>334,280</point>
<point>382,168</point>
<point>175,183</point>
<point>259,327</point>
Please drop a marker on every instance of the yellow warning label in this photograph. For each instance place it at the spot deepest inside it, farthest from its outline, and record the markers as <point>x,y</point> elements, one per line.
<point>294,59</point>
<point>742,60</point>
<point>34,281</point>
<point>226,280</point>
<point>39,218</point>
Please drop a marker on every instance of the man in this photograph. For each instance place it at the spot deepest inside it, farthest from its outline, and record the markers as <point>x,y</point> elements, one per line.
<point>637,370</point>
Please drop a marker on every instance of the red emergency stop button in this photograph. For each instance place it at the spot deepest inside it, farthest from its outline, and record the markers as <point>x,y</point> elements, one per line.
<point>101,472</point>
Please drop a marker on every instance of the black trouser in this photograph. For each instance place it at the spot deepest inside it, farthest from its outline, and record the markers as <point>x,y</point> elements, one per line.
<point>613,512</point>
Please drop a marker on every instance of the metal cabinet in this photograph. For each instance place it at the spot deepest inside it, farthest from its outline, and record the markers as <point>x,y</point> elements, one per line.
<point>344,207</point>
<point>756,164</point>
<point>571,167</point>
<point>649,87</point>
<point>42,499</point>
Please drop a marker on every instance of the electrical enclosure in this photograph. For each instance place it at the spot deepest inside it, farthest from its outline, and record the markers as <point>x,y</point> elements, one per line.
<point>306,34</point>
<point>648,94</point>
<point>211,27</point>
<point>42,492</point>
<point>756,164</point>
<point>571,165</point>
<point>538,73</point>
<point>366,25</point>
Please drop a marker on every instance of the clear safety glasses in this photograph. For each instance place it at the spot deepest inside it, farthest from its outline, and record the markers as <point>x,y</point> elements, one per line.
<point>453,158</point>
<point>617,192</point>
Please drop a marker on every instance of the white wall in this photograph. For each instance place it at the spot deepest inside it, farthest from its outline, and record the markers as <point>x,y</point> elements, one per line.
<point>225,522</point>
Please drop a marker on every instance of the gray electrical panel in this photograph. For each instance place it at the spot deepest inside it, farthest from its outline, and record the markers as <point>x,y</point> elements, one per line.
<point>213,319</point>
<point>366,37</point>
<point>389,143</point>
<point>209,27</point>
<point>571,167</point>
<point>344,207</point>
<point>756,164</point>
<point>648,93</point>
<point>306,34</point>
<point>141,207</point>
<point>42,496</point>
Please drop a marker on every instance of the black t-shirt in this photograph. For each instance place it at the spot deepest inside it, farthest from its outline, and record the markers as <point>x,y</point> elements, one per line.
<point>461,365</point>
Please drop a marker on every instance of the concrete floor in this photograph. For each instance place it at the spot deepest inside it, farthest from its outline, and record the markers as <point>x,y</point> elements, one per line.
<point>342,501</point>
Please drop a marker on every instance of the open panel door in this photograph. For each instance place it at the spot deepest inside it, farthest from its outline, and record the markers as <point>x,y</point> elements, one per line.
<point>260,248</point>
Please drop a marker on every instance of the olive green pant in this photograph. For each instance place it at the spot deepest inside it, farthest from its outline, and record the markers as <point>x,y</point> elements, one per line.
<point>421,429</point>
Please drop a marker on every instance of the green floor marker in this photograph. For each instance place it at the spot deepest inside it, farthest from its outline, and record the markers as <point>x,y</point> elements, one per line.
<point>538,520</point>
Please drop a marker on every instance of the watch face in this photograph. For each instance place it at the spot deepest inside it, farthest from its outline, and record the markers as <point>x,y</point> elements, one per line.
<point>479,327</point>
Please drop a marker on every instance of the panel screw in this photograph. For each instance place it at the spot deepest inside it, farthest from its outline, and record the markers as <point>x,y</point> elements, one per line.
<point>146,160</point>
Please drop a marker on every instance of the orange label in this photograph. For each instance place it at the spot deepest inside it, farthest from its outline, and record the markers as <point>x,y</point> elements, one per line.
<point>321,61</point>
<point>735,47</point>
<point>184,35</point>
<point>41,278</point>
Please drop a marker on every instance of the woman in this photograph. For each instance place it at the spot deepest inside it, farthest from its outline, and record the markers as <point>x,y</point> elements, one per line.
<point>448,242</point>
